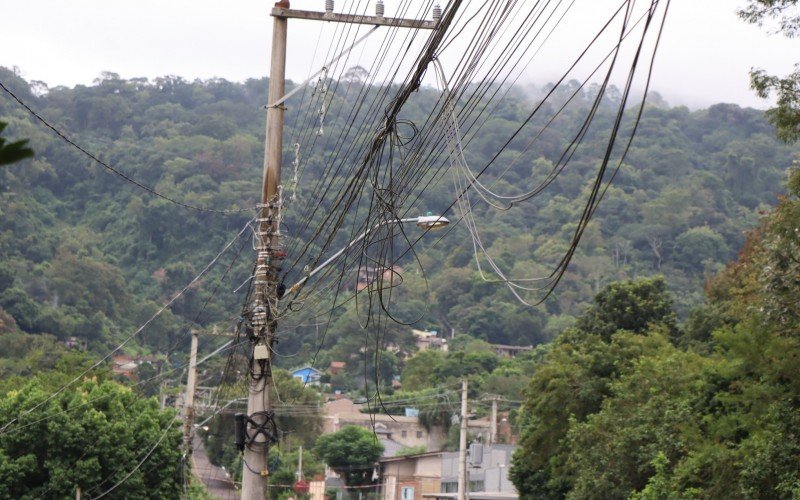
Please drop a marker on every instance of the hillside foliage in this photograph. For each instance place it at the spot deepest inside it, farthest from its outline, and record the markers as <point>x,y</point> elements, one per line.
<point>707,411</point>
<point>88,255</point>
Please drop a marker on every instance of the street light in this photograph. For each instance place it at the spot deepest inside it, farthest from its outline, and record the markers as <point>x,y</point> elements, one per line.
<point>427,222</point>
<point>430,222</point>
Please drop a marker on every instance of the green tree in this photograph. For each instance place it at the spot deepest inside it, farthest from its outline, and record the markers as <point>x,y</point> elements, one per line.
<point>24,310</point>
<point>352,452</point>
<point>786,114</point>
<point>631,306</point>
<point>698,245</point>
<point>652,411</point>
<point>283,478</point>
<point>570,384</point>
<point>308,426</point>
<point>12,152</point>
<point>93,436</point>
<point>636,416</point>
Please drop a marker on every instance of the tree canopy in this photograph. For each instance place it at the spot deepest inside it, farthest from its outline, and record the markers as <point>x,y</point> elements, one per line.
<point>97,436</point>
<point>786,114</point>
<point>12,152</point>
<point>655,415</point>
<point>88,255</point>
<point>352,452</point>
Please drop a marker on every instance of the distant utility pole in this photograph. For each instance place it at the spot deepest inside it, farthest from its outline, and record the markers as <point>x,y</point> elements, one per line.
<point>188,401</point>
<point>462,445</point>
<point>493,424</point>
<point>260,314</point>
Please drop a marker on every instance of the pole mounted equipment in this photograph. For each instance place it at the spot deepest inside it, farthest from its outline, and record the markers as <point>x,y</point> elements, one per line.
<point>256,430</point>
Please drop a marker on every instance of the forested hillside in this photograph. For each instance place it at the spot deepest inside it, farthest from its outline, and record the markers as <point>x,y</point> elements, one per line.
<point>89,254</point>
<point>641,409</point>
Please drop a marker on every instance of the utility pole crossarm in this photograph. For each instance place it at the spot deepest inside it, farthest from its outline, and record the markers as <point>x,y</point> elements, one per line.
<point>354,18</point>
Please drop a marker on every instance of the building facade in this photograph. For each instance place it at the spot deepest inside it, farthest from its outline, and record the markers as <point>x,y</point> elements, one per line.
<point>410,477</point>
<point>394,431</point>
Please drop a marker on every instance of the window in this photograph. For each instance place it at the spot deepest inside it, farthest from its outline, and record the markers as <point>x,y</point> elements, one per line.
<point>407,493</point>
<point>449,487</point>
<point>404,434</point>
<point>474,486</point>
<point>419,434</point>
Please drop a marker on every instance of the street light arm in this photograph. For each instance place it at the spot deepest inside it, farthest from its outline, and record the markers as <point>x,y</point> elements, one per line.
<point>347,247</point>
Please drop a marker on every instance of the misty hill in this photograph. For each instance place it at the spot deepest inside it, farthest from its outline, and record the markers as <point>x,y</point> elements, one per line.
<point>89,255</point>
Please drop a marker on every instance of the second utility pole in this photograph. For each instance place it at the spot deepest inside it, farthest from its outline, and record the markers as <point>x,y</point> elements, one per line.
<point>188,402</point>
<point>462,445</point>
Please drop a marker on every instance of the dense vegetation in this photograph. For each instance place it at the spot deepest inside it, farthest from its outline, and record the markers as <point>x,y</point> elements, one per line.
<point>620,409</point>
<point>351,452</point>
<point>89,255</point>
<point>669,373</point>
<point>99,436</point>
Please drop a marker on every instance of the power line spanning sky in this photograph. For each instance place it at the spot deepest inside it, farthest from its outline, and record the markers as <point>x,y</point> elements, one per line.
<point>704,58</point>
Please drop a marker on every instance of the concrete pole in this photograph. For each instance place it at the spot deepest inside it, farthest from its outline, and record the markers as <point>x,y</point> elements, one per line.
<point>462,445</point>
<point>493,426</point>
<point>188,401</point>
<point>254,474</point>
<point>300,465</point>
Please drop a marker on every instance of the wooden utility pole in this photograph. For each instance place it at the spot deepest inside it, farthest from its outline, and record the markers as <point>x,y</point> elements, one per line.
<point>261,312</point>
<point>462,445</point>
<point>188,401</point>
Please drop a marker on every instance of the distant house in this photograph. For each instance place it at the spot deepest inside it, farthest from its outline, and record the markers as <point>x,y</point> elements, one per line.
<point>369,275</point>
<point>408,477</point>
<point>394,431</point>
<point>128,366</point>
<point>75,343</point>
<point>510,351</point>
<point>434,475</point>
<point>307,375</point>
<point>336,367</point>
<point>125,365</point>
<point>429,340</point>
<point>487,474</point>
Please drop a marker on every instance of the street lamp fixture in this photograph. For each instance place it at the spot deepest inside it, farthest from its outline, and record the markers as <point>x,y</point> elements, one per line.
<point>427,222</point>
<point>432,222</point>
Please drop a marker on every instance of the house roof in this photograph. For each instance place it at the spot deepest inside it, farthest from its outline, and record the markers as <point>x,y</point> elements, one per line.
<point>509,347</point>
<point>309,369</point>
<point>390,447</point>
<point>476,495</point>
<point>406,457</point>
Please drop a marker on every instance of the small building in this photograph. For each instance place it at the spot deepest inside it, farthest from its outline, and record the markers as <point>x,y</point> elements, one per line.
<point>125,365</point>
<point>337,367</point>
<point>308,375</point>
<point>487,474</point>
<point>510,351</point>
<point>394,431</point>
<point>76,343</point>
<point>409,477</point>
<point>434,475</point>
<point>429,340</point>
<point>369,275</point>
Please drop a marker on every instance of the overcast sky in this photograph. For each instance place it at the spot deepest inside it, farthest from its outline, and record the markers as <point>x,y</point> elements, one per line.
<point>705,54</point>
